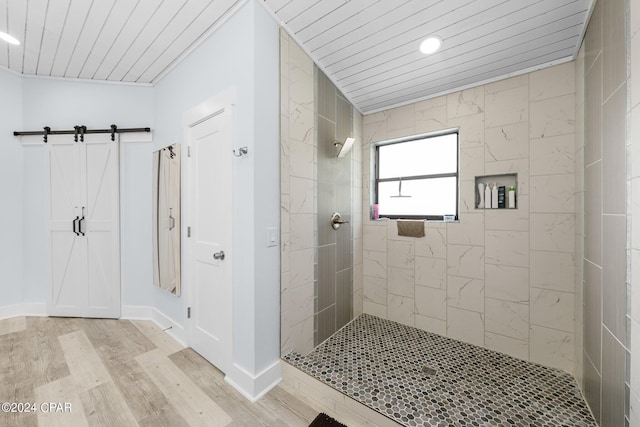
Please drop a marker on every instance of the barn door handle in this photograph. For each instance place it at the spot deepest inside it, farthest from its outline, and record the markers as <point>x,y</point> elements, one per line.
<point>81,223</point>
<point>75,225</point>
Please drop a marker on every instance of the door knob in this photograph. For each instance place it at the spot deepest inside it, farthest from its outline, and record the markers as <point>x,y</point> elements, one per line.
<point>219,255</point>
<point>336,220</point>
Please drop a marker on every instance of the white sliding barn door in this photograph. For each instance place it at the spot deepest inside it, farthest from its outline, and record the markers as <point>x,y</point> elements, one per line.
<point>210,260</point>
<point>83,227</point>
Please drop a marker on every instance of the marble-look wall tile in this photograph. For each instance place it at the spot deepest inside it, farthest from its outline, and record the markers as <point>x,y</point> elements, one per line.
<point>471,163</point>
<point>400,309</point>
<point>431,302</point>
<point>299,59</point>
<point>509,219</point>
<point>592,386</point>
<point>375,289</point>
<point>469,231</point>
<point>400,254</point>
<point>301,87</point>
<point>553,270</point>
<point>375,238</point>
<point>553,155</point>
<point>431,272</point>
<point>507,345</point>
<point>401,118</point>
<point>635,279</point>
<point>284,214</point>
<point>634,372</point>
<point>465,293</point>
<point>635,68</point>
<point>552,309</point>
<point>301,124</point>
<point>507,248</point>
<point>507,283</point>
<point>375,264</point>
<point>465,103</point>
<point>634,129</point>
<point>614,158</point>
<point>553,193</point>
<point>301,267</point>
<point>519,166</point>
<point>467,197</point>
<point>506,84</point>
<point>301,336</point>
<point>507,106</point>
<point>465,261</point>
<point>467,326</point>
<point>358,248</point>
<point>374,309</point>
<point>400,281</point>
<point>506,318</point>
<point>430,324</point>
<point>553,232</point>
<point>431,115</point>
<point>301,160</point>
<point>551,347</point>
<point>301,198</point>
<point>507,142</point>
<point>301,303</point>
<point>433,244</point>
<point>593,313</point>
<point>301,226</point>
<point>285,249</point>
<point>554,116</point>
<point>373,132</point>
<point>471,130</point>
<point>552,82</point>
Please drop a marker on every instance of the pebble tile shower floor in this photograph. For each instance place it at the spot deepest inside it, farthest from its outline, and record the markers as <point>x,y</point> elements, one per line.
<point>390,368</point>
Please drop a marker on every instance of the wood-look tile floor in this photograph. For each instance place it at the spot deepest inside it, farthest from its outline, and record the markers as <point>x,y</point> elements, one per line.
<point>114,373</point>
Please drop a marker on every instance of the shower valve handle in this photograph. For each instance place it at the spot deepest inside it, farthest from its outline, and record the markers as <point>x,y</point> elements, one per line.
<point>336,220</point>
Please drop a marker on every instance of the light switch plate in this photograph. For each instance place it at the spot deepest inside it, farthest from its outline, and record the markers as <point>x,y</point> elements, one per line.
<point>272,236</point>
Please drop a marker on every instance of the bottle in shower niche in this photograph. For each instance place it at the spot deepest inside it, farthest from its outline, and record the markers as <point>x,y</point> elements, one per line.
<point>494,196</point>
<point>487,196</point>
<point>512,197</point>
<point>480,195</point>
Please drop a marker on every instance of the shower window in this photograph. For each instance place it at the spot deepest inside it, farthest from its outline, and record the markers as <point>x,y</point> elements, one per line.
<point>417,177</point>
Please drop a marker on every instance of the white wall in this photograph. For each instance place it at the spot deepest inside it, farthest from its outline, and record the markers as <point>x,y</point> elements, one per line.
<point>243,53</point>
<point>12,189</point>
<point>62,105</point>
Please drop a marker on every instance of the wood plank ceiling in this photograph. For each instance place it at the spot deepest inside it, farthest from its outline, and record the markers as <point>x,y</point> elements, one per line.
<point>114,40</point>
<point>369,48</point>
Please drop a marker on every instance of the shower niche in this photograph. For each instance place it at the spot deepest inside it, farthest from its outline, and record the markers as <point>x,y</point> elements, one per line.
<point>166,219</point>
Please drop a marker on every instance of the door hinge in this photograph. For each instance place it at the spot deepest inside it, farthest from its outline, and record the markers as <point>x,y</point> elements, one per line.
<point>188,231</point>
<point>188,151</point>
<point>188,312</point>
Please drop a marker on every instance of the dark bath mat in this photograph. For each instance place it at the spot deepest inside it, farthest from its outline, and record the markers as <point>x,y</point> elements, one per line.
<point>324,420</point>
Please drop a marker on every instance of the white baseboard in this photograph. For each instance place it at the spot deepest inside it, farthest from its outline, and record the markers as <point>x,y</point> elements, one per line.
<point>33,309</point>
<point>168,325</point>
<point>253,387</point>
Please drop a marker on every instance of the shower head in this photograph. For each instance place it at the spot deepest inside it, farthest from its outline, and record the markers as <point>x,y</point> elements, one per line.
<point>345,146</point>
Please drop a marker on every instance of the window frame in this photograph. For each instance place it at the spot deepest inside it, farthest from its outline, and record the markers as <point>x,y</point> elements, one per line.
<point>456,174</point>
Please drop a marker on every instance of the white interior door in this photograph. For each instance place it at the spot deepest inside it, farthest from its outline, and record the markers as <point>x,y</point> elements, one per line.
<point>83,228</point>
<point>210,245</point>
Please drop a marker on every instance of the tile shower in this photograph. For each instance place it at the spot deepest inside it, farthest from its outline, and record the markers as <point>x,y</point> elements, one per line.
<point>509,281</point>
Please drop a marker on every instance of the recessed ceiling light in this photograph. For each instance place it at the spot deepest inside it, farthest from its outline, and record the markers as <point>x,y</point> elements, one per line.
<point>430,45</point>
<point>9,39</point>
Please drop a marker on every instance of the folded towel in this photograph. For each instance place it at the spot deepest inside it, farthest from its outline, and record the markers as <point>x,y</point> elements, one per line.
<point>411,228</point>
